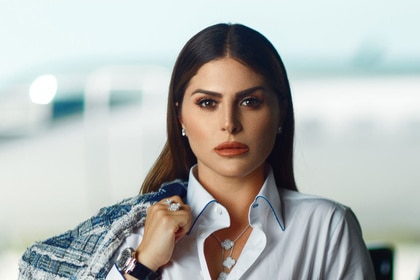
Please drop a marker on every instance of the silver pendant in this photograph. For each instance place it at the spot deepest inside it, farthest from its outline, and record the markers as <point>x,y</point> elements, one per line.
<point>223,276</point>
<point>227,244</point>
<point>229,262</point>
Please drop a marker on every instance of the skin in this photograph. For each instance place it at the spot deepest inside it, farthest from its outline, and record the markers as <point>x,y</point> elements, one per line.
<point>225,102</point>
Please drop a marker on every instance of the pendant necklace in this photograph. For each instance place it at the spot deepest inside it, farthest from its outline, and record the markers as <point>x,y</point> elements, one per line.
<point>227,246</point>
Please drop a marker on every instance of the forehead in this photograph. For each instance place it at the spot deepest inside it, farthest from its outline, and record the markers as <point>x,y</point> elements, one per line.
<point>224,75</point>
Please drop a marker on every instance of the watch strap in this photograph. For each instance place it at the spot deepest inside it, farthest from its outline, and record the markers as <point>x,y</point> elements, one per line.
<point>142,272</point>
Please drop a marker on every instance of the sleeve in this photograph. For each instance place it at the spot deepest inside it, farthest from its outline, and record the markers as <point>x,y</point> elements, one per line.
<point>65,255</point>
<point>114,274</point>
<point>62,256</point>
<point>348,256</point>
<point>86,251</point>
<point>142,272</point>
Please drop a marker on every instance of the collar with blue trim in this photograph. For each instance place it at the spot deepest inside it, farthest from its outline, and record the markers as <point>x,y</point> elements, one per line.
<point>199,199</point>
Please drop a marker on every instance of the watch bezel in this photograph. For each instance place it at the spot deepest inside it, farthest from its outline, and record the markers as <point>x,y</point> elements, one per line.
<point>124,259</point>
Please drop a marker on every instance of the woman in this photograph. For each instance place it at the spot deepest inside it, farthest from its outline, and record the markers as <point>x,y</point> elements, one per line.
<point>221,200</point>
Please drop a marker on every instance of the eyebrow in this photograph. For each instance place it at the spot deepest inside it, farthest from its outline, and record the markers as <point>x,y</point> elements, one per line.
<point>239,93</point>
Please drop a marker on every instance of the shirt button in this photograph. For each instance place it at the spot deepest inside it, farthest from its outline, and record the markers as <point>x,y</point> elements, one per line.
<point>219,210</point>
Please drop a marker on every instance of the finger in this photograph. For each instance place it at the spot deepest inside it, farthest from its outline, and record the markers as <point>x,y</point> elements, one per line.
<point>171,199</point>
<point>179,217</point>
<point>174,203</point>
<point>162,229</point>
<point>180,222</point>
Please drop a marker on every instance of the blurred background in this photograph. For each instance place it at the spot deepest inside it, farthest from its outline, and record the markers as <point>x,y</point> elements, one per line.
<point>83,89</point>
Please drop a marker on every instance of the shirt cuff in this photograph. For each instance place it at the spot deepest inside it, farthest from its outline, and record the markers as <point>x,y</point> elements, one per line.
<point>114,274</point>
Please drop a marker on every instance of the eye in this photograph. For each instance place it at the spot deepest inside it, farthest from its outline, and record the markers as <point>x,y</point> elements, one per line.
<point>206,103</point>
<point>252,102</point>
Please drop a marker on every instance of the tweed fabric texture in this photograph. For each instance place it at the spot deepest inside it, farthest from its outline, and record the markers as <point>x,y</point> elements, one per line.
<point>88,251</point>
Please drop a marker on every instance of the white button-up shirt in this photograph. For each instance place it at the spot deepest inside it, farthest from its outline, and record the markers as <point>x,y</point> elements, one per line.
<point>294,236</point>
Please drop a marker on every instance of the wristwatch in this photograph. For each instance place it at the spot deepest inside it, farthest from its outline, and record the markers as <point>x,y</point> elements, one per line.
<point>127,263</point>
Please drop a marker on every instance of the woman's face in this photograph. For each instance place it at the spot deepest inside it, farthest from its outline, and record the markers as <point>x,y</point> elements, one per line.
<point>231,119</point>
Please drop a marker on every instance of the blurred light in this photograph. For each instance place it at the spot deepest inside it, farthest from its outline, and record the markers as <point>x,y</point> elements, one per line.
<point>43,89</point>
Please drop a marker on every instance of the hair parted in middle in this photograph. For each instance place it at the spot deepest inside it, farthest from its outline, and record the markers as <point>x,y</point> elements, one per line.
<point>250,48</point>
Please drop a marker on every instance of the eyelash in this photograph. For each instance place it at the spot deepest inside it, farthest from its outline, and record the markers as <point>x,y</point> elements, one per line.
<point>252,102</point>
<point>208,103</point>
<point>204,102</point>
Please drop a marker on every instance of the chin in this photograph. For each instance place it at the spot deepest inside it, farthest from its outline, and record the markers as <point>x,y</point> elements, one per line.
<point>232,171</point>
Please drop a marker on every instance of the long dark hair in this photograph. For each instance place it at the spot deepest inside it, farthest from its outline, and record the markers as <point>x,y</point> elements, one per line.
<point>250,48</point>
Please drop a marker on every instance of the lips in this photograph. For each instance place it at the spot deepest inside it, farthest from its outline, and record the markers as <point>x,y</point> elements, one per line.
<point>230,149</point>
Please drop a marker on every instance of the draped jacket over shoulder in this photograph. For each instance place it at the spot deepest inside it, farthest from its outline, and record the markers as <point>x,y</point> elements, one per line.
<point>87,252</point>
<point>312,238</point>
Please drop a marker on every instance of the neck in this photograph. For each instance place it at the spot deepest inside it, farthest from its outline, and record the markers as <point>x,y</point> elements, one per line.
<point>235,193</point>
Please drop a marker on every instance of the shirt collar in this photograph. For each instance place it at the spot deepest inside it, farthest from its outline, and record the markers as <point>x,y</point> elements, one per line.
<point>269,197</point>
<point>199,199</point>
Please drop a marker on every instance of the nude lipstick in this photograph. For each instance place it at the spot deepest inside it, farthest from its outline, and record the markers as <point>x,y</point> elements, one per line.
<point>231,149</point>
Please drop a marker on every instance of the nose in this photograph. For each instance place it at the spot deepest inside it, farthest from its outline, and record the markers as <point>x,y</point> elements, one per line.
<point>231,120</point>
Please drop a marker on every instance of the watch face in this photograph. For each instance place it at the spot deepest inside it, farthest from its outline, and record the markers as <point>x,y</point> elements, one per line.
<point>123,258</point>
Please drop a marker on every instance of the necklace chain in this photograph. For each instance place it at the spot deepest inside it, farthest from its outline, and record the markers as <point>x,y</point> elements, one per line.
<point>228,262</point>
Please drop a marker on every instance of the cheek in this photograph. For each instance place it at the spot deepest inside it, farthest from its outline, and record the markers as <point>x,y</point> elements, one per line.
<point>197,132</point>
<point>265,132</point>
<point>268,134</point>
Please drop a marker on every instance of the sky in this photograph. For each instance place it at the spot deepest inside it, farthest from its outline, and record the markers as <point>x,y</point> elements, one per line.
<point>35,33</point>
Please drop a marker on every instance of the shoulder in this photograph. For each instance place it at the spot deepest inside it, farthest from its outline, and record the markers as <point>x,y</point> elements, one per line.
<point>333,230</point>
<point>317,210</point>
<point>132,204</point>
<point>301,201</point>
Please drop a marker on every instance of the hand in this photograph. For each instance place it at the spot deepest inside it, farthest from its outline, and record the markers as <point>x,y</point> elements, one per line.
<point>163,228</point>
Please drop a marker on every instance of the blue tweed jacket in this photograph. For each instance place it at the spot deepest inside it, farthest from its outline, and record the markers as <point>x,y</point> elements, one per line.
<point>87,252</point>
